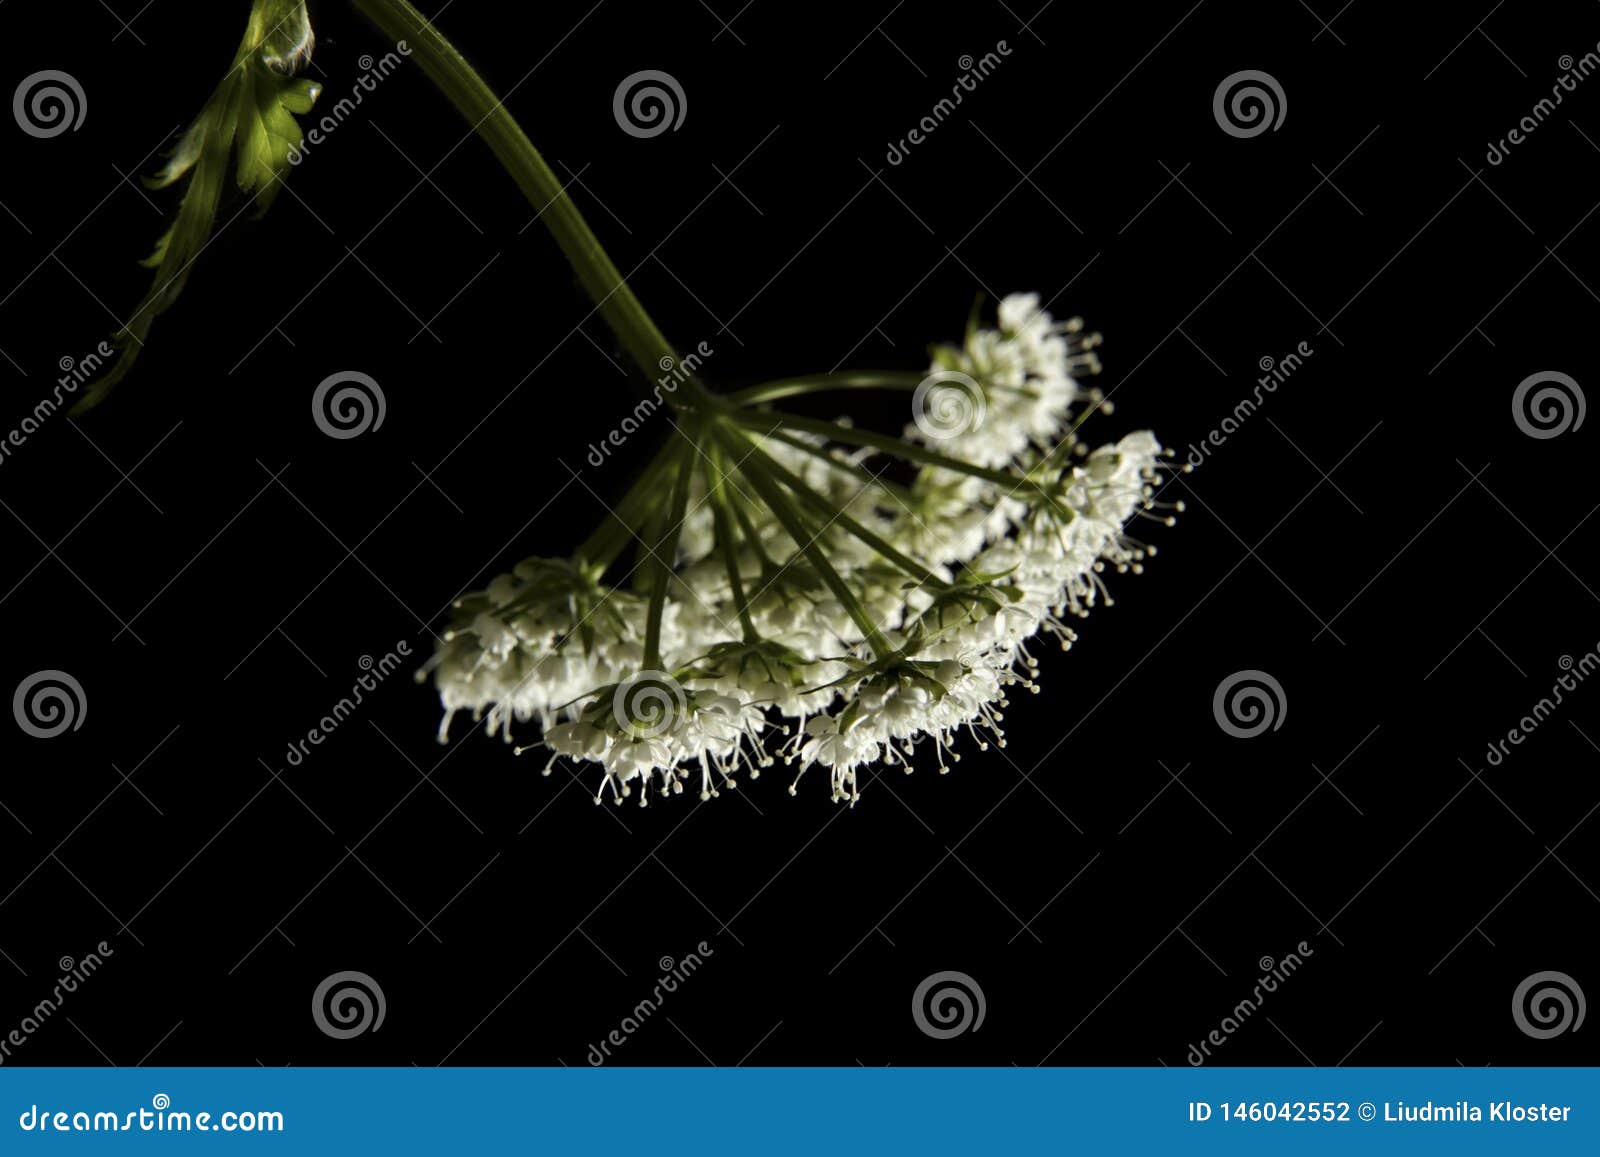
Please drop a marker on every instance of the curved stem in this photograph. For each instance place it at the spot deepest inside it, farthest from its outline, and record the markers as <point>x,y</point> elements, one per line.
<point>473,98</point>
<point>764,421</point>
<point>824,383</point>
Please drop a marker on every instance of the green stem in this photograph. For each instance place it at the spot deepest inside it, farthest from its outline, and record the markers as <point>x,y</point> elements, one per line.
<point>833,513</point>
<point>824,383</point>
<point>662,558</point>
<point>630,518</point>
<point>794,525</point>
<point>473,98</point>
<point>751,535</point>
<point>764,421</point>
<point>730,545</point>
<point>849,469</point>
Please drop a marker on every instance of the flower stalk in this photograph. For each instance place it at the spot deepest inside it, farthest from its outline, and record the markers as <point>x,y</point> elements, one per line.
<point>487,115</point>
<point>877,617</point>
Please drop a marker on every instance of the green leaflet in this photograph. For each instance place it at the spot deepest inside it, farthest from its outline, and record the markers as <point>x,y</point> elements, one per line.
<point>247,126</point>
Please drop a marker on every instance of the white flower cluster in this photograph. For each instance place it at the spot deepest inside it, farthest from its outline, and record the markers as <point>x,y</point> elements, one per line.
<point>1006,390</point>
<point>900,622</point>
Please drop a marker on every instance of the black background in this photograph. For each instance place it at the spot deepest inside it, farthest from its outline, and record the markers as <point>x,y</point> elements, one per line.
<point>1380,537</point>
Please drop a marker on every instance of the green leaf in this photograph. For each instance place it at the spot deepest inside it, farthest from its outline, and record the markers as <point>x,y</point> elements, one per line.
<point>246,132</point>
